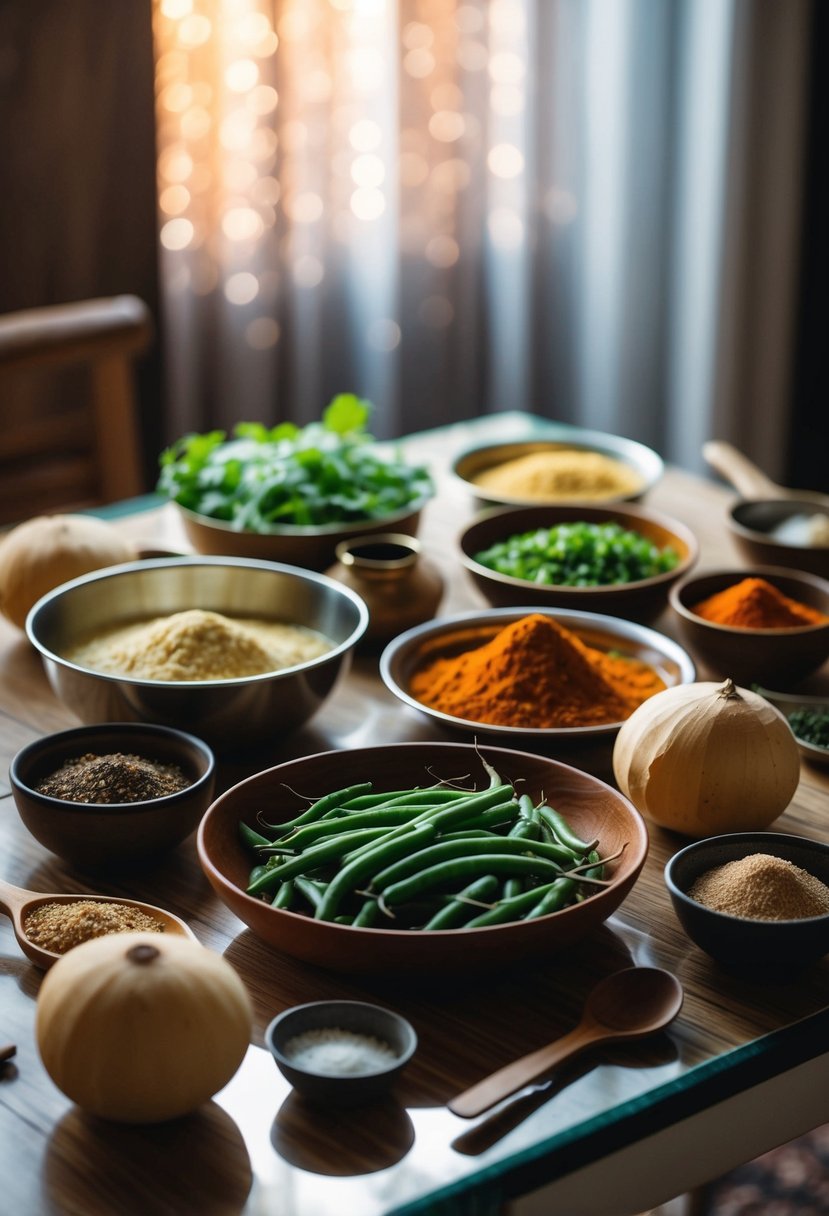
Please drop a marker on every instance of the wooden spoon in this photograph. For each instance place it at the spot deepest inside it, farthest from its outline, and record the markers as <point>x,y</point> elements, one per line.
<point>18,903</point>
<point>748,480</point>
<point>626,1005</point>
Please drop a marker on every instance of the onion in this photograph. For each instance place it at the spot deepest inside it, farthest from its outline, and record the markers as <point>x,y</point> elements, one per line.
<point>43,552</point>
<point>707,758</point>
<point>142,1027</point>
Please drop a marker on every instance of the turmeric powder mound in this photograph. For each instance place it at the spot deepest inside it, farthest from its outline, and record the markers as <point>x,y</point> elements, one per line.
<point>535,674</point>
<point>754,603</point>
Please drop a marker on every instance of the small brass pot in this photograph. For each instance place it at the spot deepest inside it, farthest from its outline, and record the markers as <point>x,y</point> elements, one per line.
<point>401,587</point>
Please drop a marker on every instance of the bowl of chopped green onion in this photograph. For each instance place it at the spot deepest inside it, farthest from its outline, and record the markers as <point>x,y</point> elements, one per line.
<point>620,560</point>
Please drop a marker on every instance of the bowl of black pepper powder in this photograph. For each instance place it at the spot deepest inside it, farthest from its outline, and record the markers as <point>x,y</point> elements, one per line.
<point>114,795</point>
<point>756,902</point>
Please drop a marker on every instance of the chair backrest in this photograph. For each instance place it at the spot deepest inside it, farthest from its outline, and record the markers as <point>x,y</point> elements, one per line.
<point>79,447</point>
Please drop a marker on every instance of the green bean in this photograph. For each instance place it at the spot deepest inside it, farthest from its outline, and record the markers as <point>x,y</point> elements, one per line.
<point>561,829</point>
<point>359,819</point>
<point>312,891</point>
<point>462,869</point>
<point>511,909</point>
<point>257,872</point>
<point>368,863</point>
<point>250,838</point>
<point>284,896</point>
<point>429,796</point>
<point>329,850</point>
<point>554,899</point>
<point>513,887</point>
<point>525,829</point>
<point>597,870</point>
<point>368,914</point>
<point>456,911</point>
<point>318,808</point>
<point>343,920</point>
<point>448,850</point>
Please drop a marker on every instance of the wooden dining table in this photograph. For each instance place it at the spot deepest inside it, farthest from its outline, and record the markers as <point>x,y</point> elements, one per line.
<point>744,1067</point>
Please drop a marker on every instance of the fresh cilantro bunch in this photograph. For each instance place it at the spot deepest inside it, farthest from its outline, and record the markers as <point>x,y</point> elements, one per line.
<point>327,472</point>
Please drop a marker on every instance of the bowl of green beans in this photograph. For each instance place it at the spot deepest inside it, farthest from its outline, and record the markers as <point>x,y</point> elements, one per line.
<point>422,856</point>
<point>620,559</point>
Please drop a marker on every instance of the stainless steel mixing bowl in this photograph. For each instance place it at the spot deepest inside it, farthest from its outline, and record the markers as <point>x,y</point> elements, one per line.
<point>227,713</point>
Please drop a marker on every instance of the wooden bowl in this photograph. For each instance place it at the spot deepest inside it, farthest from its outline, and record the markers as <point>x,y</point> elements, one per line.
<point>311,548</point>
<point>112,835</point>
<point>452,635</point>
<point>752,521</point>
<point>593,808</point>
<point>641,600</point>
<point>777,657</point>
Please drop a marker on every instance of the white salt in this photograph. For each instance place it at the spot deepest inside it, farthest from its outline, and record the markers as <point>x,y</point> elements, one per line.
<point>338,1053</point>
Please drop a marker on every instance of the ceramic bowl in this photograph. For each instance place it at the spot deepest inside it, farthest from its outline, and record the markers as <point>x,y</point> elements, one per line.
<point>753,656</point>
<point>751,522</point>
<point>452,635</point>
<point>115,835</point>
<point>229,714</point>
<point>760,949</point>
<point>788,703</point>
<point>312,547</point>
<point>592,807</point>
<point>355,1018</point>
<point>641,600</point>
<point>646,465</point>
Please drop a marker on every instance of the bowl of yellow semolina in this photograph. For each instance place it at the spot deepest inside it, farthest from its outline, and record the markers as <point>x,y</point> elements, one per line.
<point>236,651</point>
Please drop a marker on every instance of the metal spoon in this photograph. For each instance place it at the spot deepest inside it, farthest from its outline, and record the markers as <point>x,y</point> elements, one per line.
<point>629,1004</point>
<point>17,904</point>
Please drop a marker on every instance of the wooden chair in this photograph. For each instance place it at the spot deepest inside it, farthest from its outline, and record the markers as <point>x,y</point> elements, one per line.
<point>79,447</point>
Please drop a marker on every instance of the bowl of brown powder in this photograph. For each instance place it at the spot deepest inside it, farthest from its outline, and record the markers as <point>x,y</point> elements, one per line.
<point>113,795</point>
<point>237,650</point>
<point>756,902</point>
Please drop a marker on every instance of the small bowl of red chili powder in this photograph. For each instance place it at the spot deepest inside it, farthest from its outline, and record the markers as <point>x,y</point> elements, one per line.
<point>114,795</point>
<point>766,625</point>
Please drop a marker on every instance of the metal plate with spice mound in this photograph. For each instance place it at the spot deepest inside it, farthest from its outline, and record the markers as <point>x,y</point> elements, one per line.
<point>451,636</point>
<point>593,809</point>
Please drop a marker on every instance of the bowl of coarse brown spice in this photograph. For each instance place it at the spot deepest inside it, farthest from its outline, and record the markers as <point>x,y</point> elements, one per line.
<point>113,795</point>
<point>756,902</point>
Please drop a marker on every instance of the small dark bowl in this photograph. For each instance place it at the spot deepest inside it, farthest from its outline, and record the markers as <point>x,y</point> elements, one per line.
<point>642,600</point>
<point>754,656</point>
<point>115,835</point>
<point>354,1016</point>
<point>751,522</point>
<point>760,949</point>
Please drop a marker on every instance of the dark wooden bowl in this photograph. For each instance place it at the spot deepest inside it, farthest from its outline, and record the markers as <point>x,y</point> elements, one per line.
<point>639,601</point>
<point>776,657</point>
<point>751,522</point>
<point>593,808</point>
<point>112,836</point>
<point>760,949</point>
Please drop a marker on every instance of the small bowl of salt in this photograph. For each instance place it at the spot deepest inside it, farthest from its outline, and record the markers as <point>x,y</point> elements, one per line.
<point>340,1052</point>
<point>756,902</point>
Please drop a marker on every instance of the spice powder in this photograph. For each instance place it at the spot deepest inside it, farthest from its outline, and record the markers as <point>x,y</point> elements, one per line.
<point>113,778</point>
<point>60,926</point>
<point>762,887</point>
